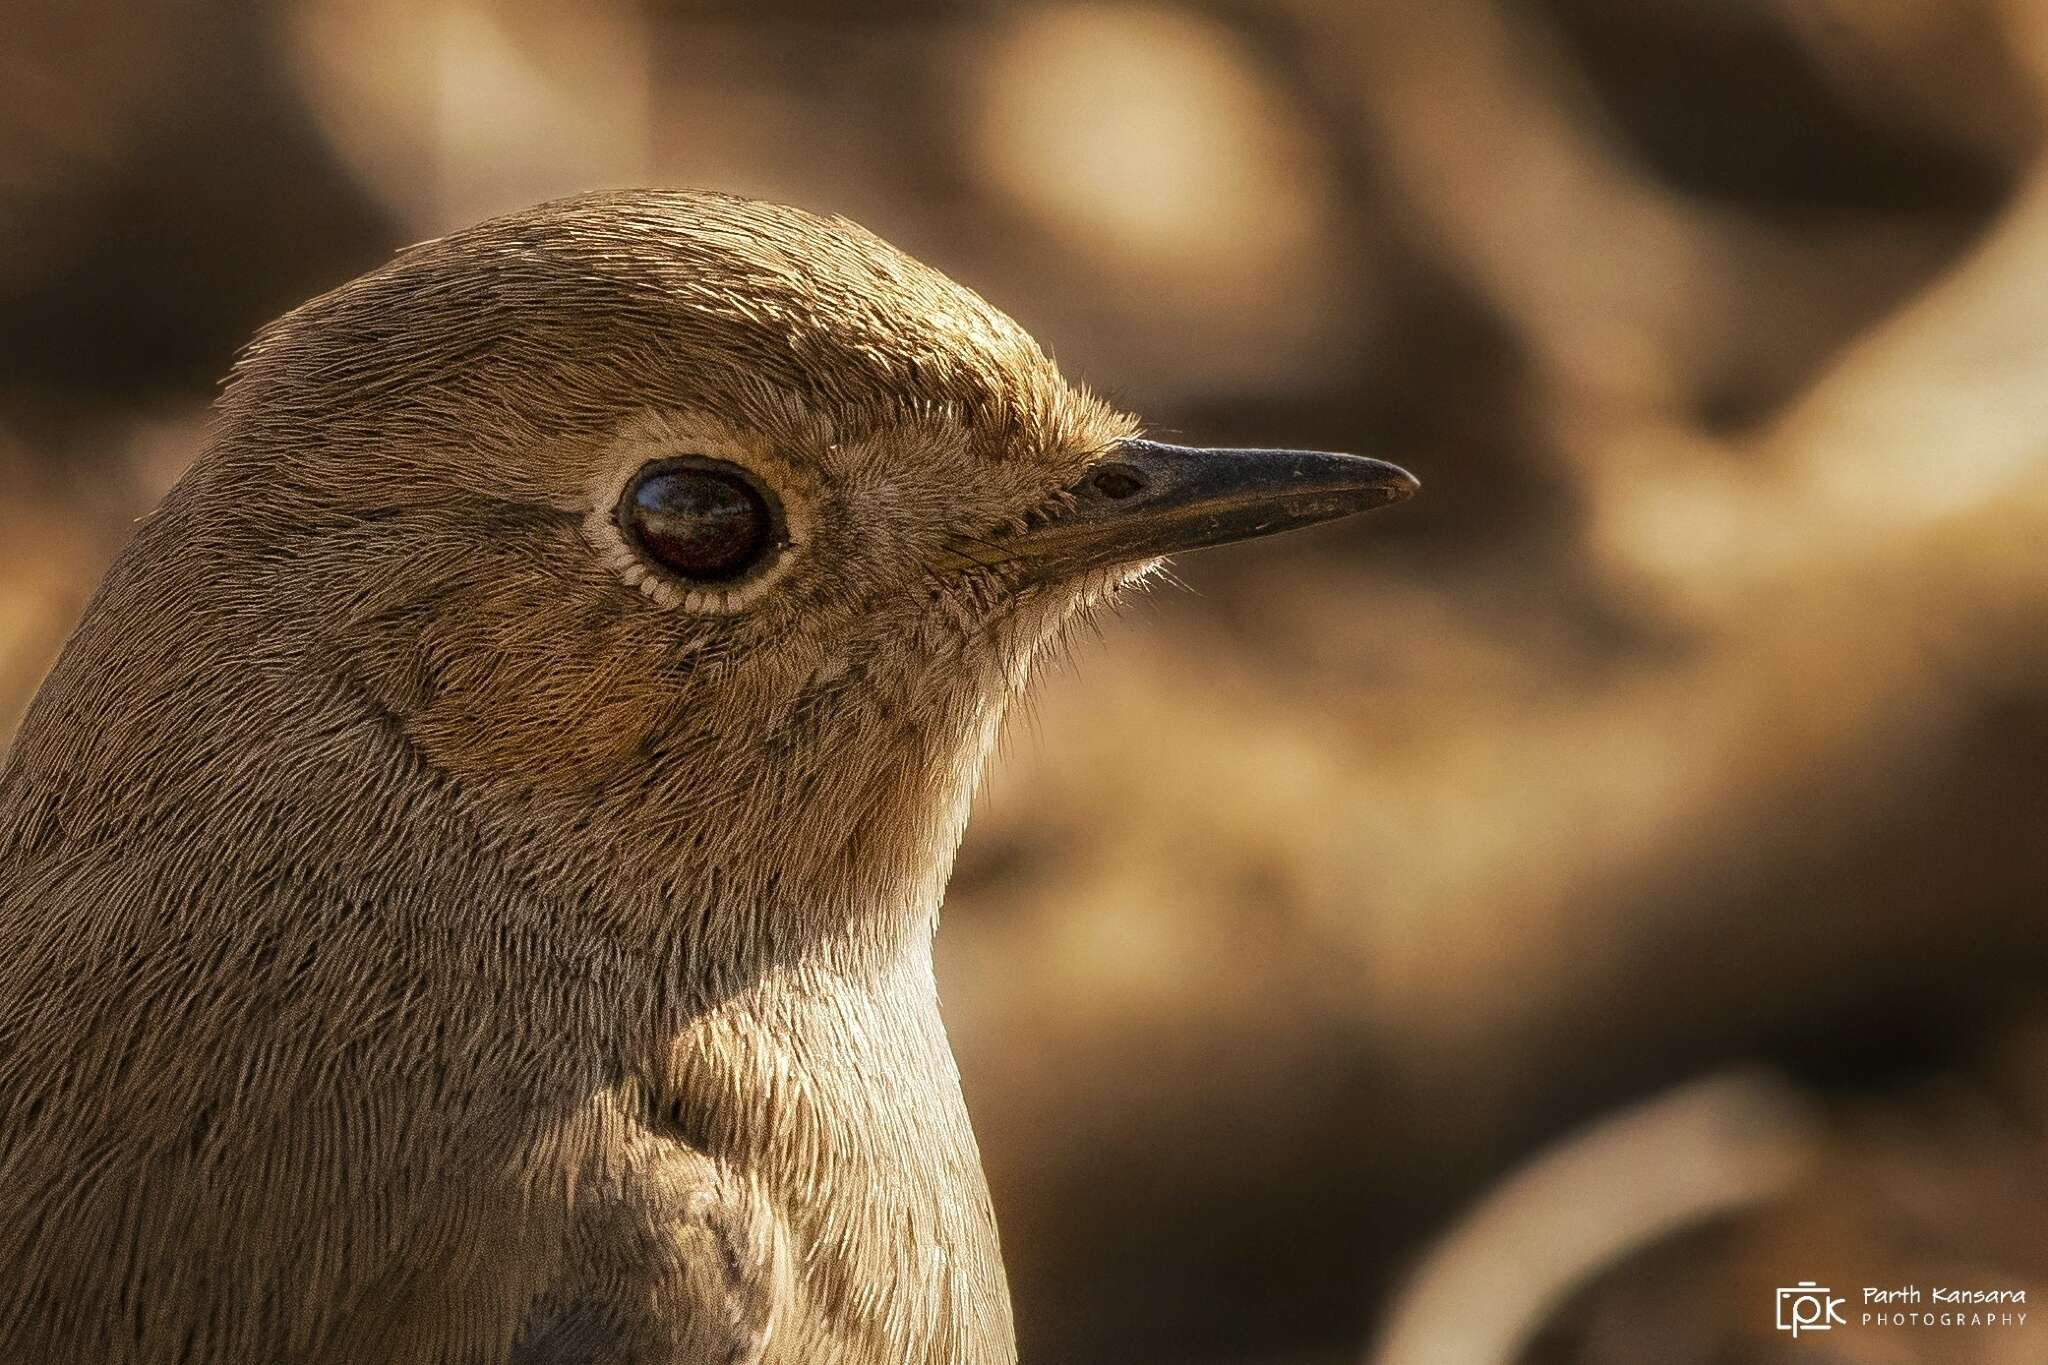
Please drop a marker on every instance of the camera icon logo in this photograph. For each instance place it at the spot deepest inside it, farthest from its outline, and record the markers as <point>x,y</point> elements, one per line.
<point>1809,1307</point>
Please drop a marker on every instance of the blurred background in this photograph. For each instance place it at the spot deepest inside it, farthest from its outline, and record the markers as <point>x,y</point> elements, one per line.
<point>1530,925</point>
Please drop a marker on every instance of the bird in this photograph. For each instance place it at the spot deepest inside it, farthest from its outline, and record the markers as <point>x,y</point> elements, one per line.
<point>468,883</point>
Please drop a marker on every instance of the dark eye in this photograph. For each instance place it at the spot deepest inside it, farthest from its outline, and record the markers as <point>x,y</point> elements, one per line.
<point>700,518</point>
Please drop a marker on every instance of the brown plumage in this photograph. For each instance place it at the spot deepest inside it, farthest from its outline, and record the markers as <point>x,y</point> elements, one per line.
<point>433,929</point>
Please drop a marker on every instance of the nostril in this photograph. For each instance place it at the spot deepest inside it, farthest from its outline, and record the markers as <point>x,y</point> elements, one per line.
<point>1116,481</point>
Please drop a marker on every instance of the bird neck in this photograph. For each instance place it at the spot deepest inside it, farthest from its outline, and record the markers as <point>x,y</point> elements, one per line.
<point>837,1096</point>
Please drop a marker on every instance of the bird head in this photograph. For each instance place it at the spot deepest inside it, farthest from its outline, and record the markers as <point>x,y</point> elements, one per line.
<point>675,530</point>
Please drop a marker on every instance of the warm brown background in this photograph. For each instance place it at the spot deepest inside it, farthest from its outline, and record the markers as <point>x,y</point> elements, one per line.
<point>1695,716</point>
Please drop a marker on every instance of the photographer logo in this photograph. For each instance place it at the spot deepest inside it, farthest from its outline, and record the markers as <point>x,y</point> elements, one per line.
<point>1809,1307</point>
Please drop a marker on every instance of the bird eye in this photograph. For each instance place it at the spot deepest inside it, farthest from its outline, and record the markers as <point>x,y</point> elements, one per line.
<point>700,518</point>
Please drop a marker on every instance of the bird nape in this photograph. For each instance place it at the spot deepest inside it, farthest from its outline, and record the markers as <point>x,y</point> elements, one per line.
<point>467,885</point>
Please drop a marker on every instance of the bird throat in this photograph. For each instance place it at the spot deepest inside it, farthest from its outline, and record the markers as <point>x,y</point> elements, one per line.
<point>798,1066</point>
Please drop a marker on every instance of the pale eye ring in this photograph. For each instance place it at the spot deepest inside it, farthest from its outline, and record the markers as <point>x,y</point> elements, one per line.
<point>701,519</point>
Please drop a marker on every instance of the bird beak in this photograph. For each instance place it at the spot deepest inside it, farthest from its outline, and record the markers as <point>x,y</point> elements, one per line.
<point>1145,499</point>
